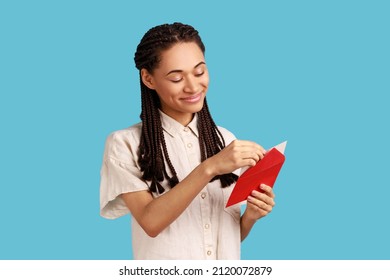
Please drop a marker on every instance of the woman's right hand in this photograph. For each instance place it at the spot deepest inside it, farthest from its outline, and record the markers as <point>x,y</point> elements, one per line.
<point>237,154</point>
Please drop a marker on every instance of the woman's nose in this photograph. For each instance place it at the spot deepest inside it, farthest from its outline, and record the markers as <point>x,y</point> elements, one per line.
<point>191,86</point>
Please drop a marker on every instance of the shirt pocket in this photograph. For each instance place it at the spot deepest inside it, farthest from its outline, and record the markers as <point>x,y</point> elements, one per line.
<point>235,210</point>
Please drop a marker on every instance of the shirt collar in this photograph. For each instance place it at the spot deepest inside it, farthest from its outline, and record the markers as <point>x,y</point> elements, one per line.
<point>172,127</point>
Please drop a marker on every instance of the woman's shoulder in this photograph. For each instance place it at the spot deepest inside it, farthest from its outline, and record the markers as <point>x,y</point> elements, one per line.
<point>126,133</point>
<point>121,143</point>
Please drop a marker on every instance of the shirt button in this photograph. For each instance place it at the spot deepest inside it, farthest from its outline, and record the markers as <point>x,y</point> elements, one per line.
<point>203,195</point>
<point>206,226</point>
<point>208,253</point>
<point>189,145</point>
<point>186,129</point>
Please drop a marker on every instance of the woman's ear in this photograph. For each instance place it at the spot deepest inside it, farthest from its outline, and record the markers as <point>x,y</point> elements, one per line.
<point>147,78</point>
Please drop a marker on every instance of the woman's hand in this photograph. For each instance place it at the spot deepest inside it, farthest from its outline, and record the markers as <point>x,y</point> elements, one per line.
<point>237,154</point>
<point>260,204</point>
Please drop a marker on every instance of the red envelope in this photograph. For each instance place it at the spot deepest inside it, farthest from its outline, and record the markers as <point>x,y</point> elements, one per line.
<point>264,172</point>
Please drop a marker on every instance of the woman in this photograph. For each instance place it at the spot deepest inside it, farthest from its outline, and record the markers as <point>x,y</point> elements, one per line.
<point>175,170</point>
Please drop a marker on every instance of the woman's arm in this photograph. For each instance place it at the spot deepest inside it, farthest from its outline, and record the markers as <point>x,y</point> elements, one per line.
<point>155,214</point>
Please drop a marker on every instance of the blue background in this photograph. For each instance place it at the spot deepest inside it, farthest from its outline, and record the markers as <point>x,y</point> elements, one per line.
<point>315,73</point>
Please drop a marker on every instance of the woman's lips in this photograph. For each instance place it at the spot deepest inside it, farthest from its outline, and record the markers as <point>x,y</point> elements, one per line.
<point>192,98</point>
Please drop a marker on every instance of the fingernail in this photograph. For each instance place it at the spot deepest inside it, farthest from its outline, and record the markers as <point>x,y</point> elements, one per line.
<point>262,186</point>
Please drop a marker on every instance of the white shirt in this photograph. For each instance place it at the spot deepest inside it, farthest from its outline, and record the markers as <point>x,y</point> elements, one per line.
<point>205,230</point>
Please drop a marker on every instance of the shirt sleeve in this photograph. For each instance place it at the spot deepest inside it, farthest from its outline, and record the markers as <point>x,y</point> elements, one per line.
<point>119,174</point>
<point>227,135</point>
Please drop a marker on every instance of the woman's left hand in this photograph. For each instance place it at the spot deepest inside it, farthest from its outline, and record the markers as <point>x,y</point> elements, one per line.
<point>260,204</point>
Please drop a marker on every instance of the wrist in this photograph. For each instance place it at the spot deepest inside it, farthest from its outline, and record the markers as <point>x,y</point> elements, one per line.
<point>209,169</point>
<point>246,224</point>
<point>246,218</point>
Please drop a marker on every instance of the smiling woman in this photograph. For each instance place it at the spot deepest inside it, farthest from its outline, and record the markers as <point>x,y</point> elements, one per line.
<point>174,171</point>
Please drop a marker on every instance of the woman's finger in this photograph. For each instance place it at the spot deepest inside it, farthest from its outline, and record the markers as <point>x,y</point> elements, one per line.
<point>249,145</point>
<point>260,204</point>
<point>250,155</point>
<point>264,198</point>
<point>268,190</point>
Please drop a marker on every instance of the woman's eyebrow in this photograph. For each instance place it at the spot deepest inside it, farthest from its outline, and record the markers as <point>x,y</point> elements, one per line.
<point>180,71</point>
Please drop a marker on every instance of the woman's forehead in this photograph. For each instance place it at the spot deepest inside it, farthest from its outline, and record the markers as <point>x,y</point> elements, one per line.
<point>181,56</point>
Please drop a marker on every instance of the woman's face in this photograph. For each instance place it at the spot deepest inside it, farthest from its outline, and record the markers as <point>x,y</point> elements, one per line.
<point>181,81</point>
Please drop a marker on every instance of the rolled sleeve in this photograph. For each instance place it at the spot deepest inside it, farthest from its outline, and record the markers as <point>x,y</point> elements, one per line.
<point>119,174</point>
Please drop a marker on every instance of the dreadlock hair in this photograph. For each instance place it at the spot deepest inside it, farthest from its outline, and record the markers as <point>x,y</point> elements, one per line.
<point>152,148</point>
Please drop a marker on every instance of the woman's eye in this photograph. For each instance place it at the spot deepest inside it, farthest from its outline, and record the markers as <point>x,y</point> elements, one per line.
<point>176,80</point>
<point>198,74</point>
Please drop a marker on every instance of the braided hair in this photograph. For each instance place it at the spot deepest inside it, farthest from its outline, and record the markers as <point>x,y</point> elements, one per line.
<point>152,148</point>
